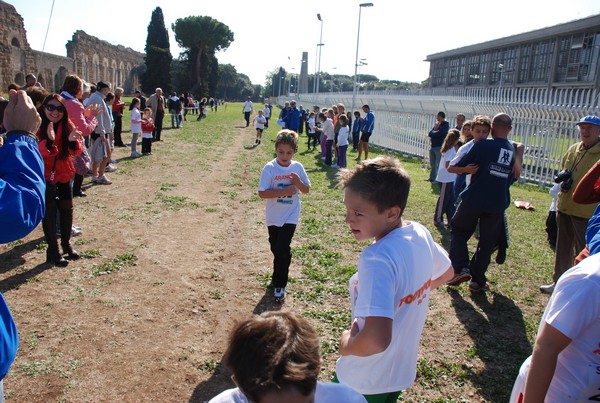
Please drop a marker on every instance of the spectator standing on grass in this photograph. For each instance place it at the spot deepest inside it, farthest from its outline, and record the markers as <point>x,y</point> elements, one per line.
<point>342,141</point>
<point>292,118</point>
<point>118,107</point>
<point>147,130</point>
<point>356,130</point>
<point>436,138</point>
<point>445,203</point>
<point>390,292</point>
<point>366,128</point>
<point>281,181</point>
<point>85,121</point>
<point>247,110</point>
<point>157,103</point>
<point>142,99</point>
<point>174,105</point>
<point>59,141</point>
<point>22,199</point>
<point>571,217</point>
<point>136,126</point>
<point>99,151</point>
<point>275,357</point>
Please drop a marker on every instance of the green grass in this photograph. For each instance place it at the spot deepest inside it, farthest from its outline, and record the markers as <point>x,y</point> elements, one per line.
<point>118,263</point>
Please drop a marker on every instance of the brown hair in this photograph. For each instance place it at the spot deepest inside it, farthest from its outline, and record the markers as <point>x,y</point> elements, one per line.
<point>382,181</point>
<point>72,84</point>
<point>450,140</point>
<point>65,123</point>
<point>272,352</point>
<point>289,137</point>
<point>481,120</point>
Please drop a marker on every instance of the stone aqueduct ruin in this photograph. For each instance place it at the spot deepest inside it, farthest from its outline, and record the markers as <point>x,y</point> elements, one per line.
<point>90,58</point>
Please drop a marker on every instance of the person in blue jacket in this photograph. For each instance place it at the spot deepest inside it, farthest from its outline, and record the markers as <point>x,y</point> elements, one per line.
<point>22,189</point>
<point>292,119</point>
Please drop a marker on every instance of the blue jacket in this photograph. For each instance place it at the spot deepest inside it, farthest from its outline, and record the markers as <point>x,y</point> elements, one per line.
<point>9,338</point>
<point>437,136</point>
<point>22,187</point>
<point>292,119</point>
<point>368,123</point>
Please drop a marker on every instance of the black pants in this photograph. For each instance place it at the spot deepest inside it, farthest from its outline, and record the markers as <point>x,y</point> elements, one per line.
<point>247,117</point>
<point>158,122</point>
<point>118,129</point>
<point>462,226</point>
<point>328,155</point>
<point>146,146</point>
<point>58,197</point>
<point>280,239</point>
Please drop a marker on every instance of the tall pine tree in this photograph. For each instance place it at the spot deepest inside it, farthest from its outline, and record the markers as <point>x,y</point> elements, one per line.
<point>158,55</point>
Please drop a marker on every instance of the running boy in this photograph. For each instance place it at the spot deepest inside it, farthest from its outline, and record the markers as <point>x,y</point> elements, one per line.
<point>280,181</point>
<point>259,124</point>
<point>390,291</point>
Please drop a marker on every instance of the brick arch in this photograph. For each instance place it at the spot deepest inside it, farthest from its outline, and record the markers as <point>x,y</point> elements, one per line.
<point>96,68</point>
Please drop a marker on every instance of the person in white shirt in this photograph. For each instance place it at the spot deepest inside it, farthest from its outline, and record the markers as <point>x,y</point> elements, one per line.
<point>275,357</point>
<point>267,113</point>
<point>247,110</point>
<point>342,142</point>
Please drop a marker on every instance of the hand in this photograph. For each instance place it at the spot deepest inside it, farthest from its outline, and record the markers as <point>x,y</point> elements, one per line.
<point>91,110</point>
<point>472,169</point>
<point>20,113</point>
<point>517,169</point>
<point>296,181</point>
<point>289,191</point>
<point>50,132</point>
<point>74,135</point>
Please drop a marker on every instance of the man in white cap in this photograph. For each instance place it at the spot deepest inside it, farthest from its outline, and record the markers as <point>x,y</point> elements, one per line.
<point>571,217</point>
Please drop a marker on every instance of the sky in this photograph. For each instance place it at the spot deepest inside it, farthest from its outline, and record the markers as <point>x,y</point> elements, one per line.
<point>395,36</point>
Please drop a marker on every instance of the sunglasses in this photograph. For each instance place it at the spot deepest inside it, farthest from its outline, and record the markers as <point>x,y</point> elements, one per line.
<point>57,108</point>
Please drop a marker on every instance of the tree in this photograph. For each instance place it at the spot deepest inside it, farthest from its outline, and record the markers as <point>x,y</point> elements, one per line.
<point>202,36</point>
<point>158,55</point>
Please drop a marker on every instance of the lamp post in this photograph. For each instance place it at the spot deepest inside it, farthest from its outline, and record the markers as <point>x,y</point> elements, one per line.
<point>320,46</point>
<point>361,62</point>
<point>500,68</point>
<point>360,6</point>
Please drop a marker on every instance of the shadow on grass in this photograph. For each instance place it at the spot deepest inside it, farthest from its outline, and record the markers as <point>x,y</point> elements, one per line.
<point>267,303</point>
<point>500,341</point>
<point>13,258</point>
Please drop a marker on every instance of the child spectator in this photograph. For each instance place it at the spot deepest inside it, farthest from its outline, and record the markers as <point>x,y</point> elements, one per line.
<point>390,292</point>
<point>445,203</point>
<point>311,131</point>
<point>342,141</point>
<point>328,136</point>
<point>275,357</point>
<point>147,128</point>
<point>356,130</point>
<point>280,181</point>
<point>259,125</point>
<point>461,179</point>
<point>551,228</point>
<point>136,126</point>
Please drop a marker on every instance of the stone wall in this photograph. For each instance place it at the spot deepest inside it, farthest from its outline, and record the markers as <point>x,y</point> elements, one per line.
<point>90,58</point>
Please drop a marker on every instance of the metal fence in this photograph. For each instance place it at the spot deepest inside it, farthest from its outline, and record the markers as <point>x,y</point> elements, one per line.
<point>543,119</point>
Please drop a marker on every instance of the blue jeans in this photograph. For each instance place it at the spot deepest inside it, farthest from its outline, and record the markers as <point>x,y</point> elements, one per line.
<point>435,156</point>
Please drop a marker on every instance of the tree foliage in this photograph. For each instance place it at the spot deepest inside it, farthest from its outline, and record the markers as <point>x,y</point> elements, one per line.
<point>158,55</point>
<point>233,85</point>
<point>202,37</point>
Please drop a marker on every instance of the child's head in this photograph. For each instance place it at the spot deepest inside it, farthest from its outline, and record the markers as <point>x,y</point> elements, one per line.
<point>135,103</point>
<point>260,113</point>
<point>148,112</point>
<point>356,114</point>
<point>465,131</point>
<point>312,115</point>
<point>343,119</point>
<point>330,113</point>
<point>322,117</point>
<point>450,140</point>
<point>274,355</point>
<point>286,145</point>
<point>481,127</point>
<point>375,195</point>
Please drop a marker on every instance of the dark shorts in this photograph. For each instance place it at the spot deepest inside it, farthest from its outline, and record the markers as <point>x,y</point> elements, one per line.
<point>364,137</point>
<point>259,130</point>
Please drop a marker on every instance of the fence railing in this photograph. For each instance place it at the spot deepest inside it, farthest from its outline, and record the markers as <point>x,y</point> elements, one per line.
<point>543,119</point>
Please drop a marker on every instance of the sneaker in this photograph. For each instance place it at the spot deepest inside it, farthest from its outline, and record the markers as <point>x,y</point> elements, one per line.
<point>279,294</point>
<point>335,166</point>
<point>75,231</point>
<point>474,287</point>
<point>439,223</point>
<point>103,180</point>
<point>95,179</point>
<point>110,168</point>
<point>501,255</point>
<point>135,154</point>
<point>256,141</point>
<point>460,278</point>
<point>547,289</point>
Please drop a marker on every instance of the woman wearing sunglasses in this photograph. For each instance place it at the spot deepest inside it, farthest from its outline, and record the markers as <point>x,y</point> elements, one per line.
<point>58,143</point>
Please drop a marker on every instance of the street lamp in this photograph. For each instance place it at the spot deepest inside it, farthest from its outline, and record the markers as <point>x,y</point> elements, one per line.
<point>361,62</point>
<point>320,47</point>
<point>500,68</point>
<point>360,6</point>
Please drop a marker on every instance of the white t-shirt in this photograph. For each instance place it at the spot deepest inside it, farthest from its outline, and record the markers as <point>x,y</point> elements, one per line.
<point>343,136</point>
<point>462,151</point>
<point>267,112</point>
<point>311,125</point>
<point>328,129</point>
<point>259,122</point>
<point>135,118</point>
<point>248,106</point>
<point>282,210</point>
<point>326,392</point>
<point>393,281</point>
<point>443,176</point>
<point>574,310</point>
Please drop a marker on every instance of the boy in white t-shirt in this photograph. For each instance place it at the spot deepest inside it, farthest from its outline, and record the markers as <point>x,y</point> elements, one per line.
<point>280,182</point>
<point>259,125</point>
<point>390,292</point>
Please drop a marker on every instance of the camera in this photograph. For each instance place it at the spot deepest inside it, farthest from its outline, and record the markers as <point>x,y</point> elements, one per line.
<point>565,180</point>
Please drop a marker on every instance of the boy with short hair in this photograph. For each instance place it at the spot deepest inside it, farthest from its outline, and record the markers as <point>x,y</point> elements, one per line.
<point>390,291</point>
<point>275,357</point>
<point>259,124</point>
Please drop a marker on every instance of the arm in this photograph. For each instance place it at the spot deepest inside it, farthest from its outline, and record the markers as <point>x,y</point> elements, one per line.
<point>469,169</point>
<point>443,279</point>
<point>374,338</point>
<point>440,131</point>
<point>277,193</point>
<point>550,342</point>
<point>518,165</point>
<point>296,181</point>
<point>584,192</point>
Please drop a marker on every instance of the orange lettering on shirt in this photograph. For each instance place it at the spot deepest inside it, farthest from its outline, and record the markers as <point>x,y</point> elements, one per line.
<point>418,295</point>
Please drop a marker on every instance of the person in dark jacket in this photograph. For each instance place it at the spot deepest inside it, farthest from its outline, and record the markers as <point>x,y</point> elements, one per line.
<point>437,136</point>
